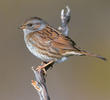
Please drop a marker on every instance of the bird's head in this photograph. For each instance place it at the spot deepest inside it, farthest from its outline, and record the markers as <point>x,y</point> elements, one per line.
<point>33,24</point>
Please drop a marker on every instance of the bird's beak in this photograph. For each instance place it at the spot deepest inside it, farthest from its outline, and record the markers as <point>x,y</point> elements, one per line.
<point>21,27</point>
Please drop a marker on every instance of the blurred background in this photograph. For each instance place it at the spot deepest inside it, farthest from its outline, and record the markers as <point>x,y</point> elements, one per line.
<point>78,78</point>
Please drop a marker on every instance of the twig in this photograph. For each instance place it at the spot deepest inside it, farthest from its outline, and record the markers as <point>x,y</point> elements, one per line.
<point>40,82</point>
<point>65,18</point>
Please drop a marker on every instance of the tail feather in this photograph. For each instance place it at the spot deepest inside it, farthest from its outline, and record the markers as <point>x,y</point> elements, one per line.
<point>94,55</point>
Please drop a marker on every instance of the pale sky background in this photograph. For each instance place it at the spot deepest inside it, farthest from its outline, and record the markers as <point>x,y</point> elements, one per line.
<point>78,78</point>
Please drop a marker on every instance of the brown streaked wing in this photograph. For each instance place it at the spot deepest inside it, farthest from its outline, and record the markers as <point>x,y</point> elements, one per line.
<point>61,41</point>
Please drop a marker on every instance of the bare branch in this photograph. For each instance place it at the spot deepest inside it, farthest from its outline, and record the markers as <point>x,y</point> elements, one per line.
<point>40,84</point>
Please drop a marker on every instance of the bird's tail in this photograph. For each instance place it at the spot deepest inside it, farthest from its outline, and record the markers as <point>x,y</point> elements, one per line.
<point>93,55</point>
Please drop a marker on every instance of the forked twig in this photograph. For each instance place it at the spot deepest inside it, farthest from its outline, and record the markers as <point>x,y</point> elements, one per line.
<point>40,82</point>
<point>65,18</point>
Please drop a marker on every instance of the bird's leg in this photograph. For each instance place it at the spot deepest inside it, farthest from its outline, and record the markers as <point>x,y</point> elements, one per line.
<point>43,66</point>
<point>50,66</point>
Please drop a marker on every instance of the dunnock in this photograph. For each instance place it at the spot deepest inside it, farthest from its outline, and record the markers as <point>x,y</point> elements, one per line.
<point>49,44</point>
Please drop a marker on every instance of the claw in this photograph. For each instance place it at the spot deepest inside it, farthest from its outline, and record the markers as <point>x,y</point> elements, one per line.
<point>43,66</point>
<point>39,68</point>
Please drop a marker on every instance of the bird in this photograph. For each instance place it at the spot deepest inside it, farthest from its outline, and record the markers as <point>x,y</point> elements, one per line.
<point>49,44</point>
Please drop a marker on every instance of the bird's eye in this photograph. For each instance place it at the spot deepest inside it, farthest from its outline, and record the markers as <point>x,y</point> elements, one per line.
<point>29,24</point>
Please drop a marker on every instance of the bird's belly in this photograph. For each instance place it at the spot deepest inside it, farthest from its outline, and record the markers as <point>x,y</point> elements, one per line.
<point>36,52</point>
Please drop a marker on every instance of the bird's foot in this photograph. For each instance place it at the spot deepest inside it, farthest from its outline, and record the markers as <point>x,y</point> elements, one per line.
<point>43,67</point>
